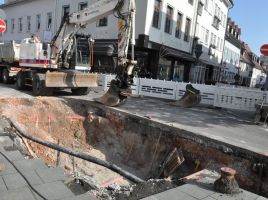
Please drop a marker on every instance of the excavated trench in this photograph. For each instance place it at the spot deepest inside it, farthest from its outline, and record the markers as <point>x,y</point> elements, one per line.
<point>137,145</point>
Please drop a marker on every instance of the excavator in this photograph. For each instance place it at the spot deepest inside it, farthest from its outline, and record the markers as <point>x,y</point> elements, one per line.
<point>64,43</point>
<point>64,47</point>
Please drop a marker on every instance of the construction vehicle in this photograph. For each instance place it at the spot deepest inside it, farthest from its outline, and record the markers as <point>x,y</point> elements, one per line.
<point>47,66</point>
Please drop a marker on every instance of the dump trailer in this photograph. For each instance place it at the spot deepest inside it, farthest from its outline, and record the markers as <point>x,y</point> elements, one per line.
<point>9,61</point>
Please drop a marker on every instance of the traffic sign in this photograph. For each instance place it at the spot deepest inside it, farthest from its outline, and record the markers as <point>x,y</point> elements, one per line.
<point>264,49</point>
<point>2,26</point>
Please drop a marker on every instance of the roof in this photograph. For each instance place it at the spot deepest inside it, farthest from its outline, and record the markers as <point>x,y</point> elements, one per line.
<point>14,3</point>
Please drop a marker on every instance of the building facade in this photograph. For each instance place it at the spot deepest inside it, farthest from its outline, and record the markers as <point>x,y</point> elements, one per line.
<point>210,37</point>
<point>164,32</point>
<point>231,53</point>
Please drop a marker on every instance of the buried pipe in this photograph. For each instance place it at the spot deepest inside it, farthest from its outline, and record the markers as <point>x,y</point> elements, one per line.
<point>80,155</point>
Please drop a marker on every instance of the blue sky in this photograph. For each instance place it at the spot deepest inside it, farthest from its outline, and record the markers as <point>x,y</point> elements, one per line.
<point>251,16</point>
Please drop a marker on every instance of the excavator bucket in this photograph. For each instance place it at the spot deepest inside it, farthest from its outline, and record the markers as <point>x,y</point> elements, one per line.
<point>190,98</point>
<point>114,96</point>
<point>70,79</point>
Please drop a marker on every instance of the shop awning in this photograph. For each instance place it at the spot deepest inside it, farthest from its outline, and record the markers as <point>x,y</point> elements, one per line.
<point>179,54</point>
<point>209,62</point>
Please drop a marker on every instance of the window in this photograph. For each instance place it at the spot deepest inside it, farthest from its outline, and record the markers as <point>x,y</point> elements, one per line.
<point>202,38</point>
<point>38,22</point>
<point>28,29</point>
<point>65,10</point>
<point>49,21</point>
<point>20,25</point>
<point>200,8</point>
<point>157,14</point>
<point>102,22</point>
<point>187,30</point>
<point>207,36</point>
<point>168,25</point>
<point>218,43</point>
<point>224,21</point>
<point>179,25</point>
<point>12,25</point>
<point>191,2</point>
<point>82,6</point>
<point>206,5</point>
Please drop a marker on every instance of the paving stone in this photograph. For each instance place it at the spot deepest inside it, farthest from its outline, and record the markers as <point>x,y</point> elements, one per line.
<point>3,187</point>
<point>82,197</point>
<point>173,194</point>
<point>14,181</point>
<point>8,168</point>
<point>244,195</point>
<point>14,155</point>
<point>208,198</point>
<point>261,198</point>
<point>32,178</point>
<point>51,174</point>
<point>5,141</point>
<point>29,165</point>
<point>196,191</point>
<point>18,194</point>
<point>55,190</point>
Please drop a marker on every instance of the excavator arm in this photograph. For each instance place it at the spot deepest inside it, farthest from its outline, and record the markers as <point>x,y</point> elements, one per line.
<point>64,40</point>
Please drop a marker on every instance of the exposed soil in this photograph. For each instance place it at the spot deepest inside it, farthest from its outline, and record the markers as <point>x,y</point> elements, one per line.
<point>73,124</point>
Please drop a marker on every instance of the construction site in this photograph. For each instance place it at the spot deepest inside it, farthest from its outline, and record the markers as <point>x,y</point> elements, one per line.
<point>69,133</point>
<point>135,151</point>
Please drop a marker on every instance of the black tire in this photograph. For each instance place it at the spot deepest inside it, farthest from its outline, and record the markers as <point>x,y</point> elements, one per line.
<point>80,91</point>
<point>20,81</point>
<point>39,88</point>
<point>1,80</point>
<point>5,76</point>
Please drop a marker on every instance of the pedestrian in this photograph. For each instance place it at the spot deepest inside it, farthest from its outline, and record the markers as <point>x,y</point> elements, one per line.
<point>236,78</point>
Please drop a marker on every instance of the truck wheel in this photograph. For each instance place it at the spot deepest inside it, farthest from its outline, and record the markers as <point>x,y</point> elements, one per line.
<point>1,79</point>
<point>80,91</point>
<point>5,76</point>
<point>39,88</point>
<point>20,81</point>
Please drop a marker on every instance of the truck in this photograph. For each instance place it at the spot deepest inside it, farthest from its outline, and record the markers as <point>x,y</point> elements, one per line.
<point>28,63</point>
<point>9,61</point>
<point>65,62</point>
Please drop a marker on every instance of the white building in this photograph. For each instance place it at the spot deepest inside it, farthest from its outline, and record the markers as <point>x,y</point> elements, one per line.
<point>164,31</point>
<point>210,35</point>
<point>231,54</point>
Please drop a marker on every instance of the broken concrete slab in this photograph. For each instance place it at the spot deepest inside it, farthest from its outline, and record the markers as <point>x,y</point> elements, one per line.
<point>54,191</point>
<point>30,164</point>
<point>51,174</point>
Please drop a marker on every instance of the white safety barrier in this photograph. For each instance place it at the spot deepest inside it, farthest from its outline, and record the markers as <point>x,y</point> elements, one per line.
<point>218,96</point>
<point>237,98</point>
